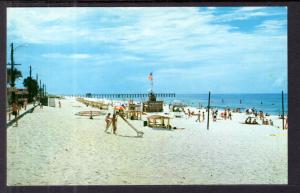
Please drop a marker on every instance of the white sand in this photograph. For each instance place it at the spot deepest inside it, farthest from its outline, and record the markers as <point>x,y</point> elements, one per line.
<point>52,146</point>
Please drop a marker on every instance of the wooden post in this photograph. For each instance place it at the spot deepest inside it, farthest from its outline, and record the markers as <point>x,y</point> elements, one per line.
<point>208,107</point>
<point>282,101</point>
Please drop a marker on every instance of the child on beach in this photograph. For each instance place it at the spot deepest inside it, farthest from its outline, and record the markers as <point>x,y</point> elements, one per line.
<point>108,121</point>
<point>114,123</point>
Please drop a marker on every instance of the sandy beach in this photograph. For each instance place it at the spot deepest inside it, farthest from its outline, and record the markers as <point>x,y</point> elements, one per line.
<point>53,146</point>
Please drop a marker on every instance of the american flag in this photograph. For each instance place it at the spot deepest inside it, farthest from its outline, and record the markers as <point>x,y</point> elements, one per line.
<point>150,77</point>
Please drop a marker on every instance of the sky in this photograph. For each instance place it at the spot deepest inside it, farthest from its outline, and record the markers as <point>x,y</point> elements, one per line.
<point>188,49</point>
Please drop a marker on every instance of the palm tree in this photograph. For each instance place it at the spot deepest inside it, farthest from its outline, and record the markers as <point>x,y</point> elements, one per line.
<point>16,74</point>
<point>32,87</point>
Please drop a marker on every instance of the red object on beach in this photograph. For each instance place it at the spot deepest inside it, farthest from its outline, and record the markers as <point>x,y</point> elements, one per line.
<point>119,108</point>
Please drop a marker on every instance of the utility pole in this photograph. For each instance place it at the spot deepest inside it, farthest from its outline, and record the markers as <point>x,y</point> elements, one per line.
<point>40,88</point>
<point>30,72</point>
<point>43,90</point>
<point>12,74</point>
<point>208,107</point>
<point>282,103</point>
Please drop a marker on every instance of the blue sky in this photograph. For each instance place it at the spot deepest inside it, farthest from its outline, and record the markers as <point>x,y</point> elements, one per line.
<point>188,49</point>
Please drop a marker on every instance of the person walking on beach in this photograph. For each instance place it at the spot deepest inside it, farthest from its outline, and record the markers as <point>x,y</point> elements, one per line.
<point>108,121</point>
<point>189,113</point>
<point>214,116</point>
<point>41,105</point>
<point>225,114</point>
<point>59,104</point>
<point>199,116</point>
<point>25,104</point>
<point>114,123</point>
<point>203,116</point>
<point>15,109</point>
<point>230,115</point>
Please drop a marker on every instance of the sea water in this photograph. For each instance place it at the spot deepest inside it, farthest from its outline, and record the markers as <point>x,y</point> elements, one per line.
<point>268,103</point>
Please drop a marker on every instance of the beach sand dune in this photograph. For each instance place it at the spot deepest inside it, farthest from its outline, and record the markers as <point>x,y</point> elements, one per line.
<point>53,146</point>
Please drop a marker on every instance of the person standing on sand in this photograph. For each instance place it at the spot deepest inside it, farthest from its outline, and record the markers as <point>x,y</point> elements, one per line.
<point>189,113</point>
<point>25,104</point>
<point>286,123</point>
<point>59,104</point>
<point>230,115</point>
<point>199,115</point>
<point>203,116</point>
<point>114,123</point>
<point>15,109</point>
<point>108,121</point>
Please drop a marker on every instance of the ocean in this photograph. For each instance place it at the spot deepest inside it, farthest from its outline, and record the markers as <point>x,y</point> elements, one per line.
<point>268,103</point>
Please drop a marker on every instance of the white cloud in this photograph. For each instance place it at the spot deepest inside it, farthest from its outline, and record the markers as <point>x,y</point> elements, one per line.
<point>272,26</point>
<point>67,56</point>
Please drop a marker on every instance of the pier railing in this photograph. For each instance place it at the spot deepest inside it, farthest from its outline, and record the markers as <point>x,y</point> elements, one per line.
<point>122,95</point>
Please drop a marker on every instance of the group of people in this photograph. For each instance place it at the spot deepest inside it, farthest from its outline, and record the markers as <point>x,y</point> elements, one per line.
<point>250,121</point>
<point>225,115</point>
<point>111,121</point>
<point>267,122</point>
<point>200,116</point>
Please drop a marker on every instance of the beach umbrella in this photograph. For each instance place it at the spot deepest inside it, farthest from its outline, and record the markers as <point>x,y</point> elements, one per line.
<point>119,108</point>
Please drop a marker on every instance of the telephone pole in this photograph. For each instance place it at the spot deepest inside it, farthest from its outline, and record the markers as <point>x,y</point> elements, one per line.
<point>12,73</point>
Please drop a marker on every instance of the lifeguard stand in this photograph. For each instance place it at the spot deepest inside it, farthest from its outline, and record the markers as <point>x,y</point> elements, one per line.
<point>152,105</point>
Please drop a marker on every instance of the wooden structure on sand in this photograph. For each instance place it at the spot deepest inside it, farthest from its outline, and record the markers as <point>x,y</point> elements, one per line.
<point>133,115</point>
<point>152,105</point>
<point>99,105</point>
<point>158,121</point>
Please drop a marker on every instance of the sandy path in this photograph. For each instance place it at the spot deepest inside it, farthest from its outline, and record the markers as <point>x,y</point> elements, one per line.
<point>52,146</point>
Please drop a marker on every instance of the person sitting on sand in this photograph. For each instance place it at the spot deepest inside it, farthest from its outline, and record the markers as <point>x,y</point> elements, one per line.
<point>114,123</point>
<point>108,121</point>
<point>15,109</point>
<point>254,122</point>
<point>267,122</point>
<point>248,120</point>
